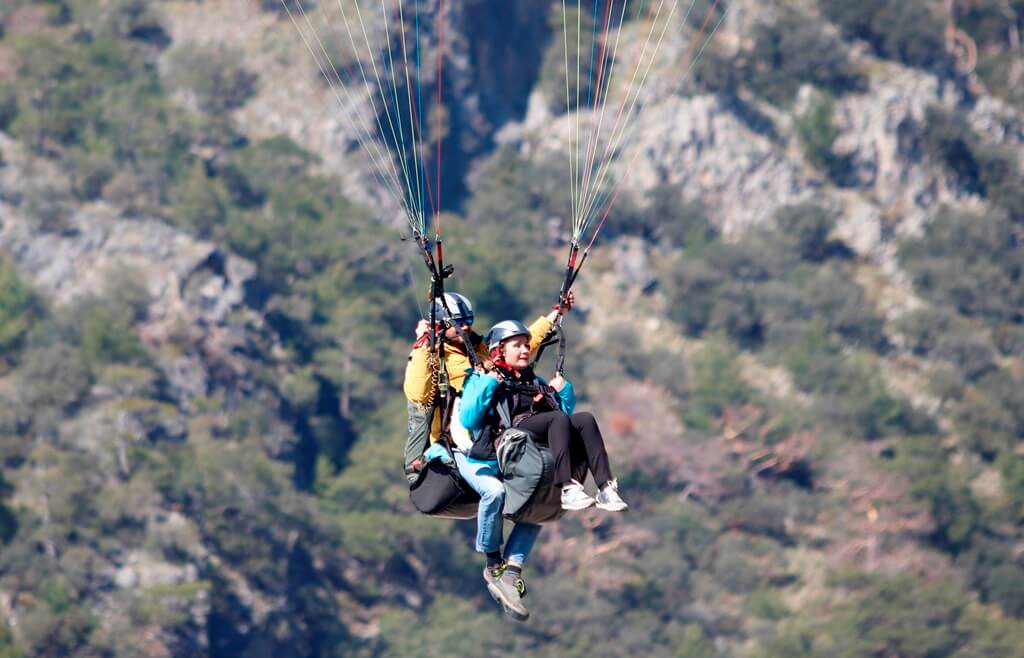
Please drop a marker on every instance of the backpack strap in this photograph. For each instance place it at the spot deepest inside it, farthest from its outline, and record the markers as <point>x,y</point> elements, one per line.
<point>446,423</point>
<point>504,413</point>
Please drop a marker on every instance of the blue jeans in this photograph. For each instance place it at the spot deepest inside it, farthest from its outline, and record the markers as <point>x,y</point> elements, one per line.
<point>483,477</point>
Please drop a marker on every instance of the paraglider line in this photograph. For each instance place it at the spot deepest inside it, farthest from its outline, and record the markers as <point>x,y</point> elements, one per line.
<point>359,136</point>
<point>440,77</point>
<point>602,99</point>
<point>605,159</point>
<point>622,179</point>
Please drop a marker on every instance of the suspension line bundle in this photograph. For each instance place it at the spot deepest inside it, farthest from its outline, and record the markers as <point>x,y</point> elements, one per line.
<point>596,179</point>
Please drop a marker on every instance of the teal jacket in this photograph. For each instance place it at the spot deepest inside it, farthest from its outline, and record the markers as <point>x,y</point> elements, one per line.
<point>477,407</point>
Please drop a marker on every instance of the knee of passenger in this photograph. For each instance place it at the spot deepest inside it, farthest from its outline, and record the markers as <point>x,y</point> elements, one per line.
<point>493,492</point>
<point>586,419</point>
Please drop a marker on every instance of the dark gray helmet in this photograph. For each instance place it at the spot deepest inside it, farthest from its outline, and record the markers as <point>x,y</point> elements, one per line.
<point>503,331</point>
<point>461,309</point>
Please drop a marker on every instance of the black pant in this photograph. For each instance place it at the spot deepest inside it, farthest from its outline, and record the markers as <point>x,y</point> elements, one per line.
<point>566,436</point>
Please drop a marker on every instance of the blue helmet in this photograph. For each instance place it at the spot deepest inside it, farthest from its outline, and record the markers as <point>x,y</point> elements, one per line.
<point>503,331</point>
<point>454,307</point>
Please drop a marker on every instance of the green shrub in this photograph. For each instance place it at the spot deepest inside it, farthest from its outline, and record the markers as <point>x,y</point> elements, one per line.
<point>996,573</point>
<point>716,383</point>
<point>1000,174</point>
<point>201,203</point>
<point>814,359</point>
<point>904,30</point>
<point>923,328</point>
<point>1005,388</point>
<point>795,645</point>
<point>779,65</point>
<point>8,519</point>
<point>621,350</point>
<point>92,165</point>
<point>756,516</point>
<point>833,298</point>
<point>759,257</point>
<point>694,644</point>
<point>217,76</point>
<point>900,616</point>
<point>52,376</point>
<point>768,604</point>
<point>690,288</point>
<point>718,73</point>
<point>125,19</point>
<point>851,392</point>
<point>737,314</point>
<point>107,336</point>
<point>9,648</point>
<point>986,426</point>
<point>664,216</point>
<point>19,308</point>
<point>949,142</point>
<point>8,105</point>
<point>1011,468</point>
<point>970,262</point>
<point>254,171</point>
<point>59,102</point>
<point>1009,339</point>
<point>817,134</point>
<point>1005,585</point>
<point>737,561</point>
<point>860,403</point>
<point>990,170</point>
<point>972,355</point>
<point>1001,75</point>
<point>991,22</point>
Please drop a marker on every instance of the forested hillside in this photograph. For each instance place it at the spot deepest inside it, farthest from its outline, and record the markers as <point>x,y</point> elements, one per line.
<point>801,328</point>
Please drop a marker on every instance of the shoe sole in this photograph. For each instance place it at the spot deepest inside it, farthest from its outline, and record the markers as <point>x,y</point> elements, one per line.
<point>611,508</point>
<point>577,507</point>
<point>500,600</point>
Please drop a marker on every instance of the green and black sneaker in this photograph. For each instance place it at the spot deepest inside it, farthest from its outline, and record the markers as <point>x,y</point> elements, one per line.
<point>520,583</point>
<point>508,590</point>
<point>492,574</point>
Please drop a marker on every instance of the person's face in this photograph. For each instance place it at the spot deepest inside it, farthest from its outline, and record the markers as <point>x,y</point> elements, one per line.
<point>452,334</point>
<point>517,351</point>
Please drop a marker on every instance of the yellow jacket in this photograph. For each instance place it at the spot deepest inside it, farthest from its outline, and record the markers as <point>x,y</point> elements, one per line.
<point>419,384</point>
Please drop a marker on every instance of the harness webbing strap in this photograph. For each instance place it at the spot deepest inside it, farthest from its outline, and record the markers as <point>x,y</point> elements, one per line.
<point>505,413</point>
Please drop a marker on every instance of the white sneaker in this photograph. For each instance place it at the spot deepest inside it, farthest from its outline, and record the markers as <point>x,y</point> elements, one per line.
<point>609,499</point>
<point>574,497</point>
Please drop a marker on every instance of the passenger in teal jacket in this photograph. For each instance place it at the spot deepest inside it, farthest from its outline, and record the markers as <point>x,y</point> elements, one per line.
<point>477,410</point>
<point>542,408</point>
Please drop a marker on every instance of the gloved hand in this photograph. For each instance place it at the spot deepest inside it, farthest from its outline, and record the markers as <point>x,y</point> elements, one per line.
<point>570,299</point>
<point>438,451</point>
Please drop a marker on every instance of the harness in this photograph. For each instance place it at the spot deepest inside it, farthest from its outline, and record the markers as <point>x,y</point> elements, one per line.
<point>443,399</point>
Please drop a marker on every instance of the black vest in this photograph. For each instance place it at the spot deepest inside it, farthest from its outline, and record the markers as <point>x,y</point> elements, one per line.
<point>518,396</point>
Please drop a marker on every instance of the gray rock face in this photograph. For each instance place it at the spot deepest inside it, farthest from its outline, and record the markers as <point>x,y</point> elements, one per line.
<point>695,143</point>
<point>191,285</point>
<point>698,144</point>
<point>881,133</point>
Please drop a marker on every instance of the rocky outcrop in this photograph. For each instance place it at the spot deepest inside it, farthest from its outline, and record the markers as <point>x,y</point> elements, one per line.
<point>695,143</point>
<point>491,59</point>
<point>192,291</point>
